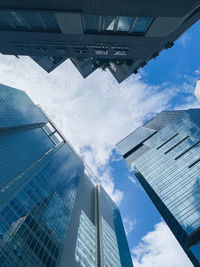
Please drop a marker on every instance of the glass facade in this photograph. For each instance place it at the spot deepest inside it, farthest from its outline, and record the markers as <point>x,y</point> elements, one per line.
<point>169,172</point>
<point>27,20</point>
<point>86,242</point>
<point>45,21</point>
<point>116,24</point>
<point>40,174</point>
<point>47,203</point>
<point>114,247</point>
<point>110,247</point>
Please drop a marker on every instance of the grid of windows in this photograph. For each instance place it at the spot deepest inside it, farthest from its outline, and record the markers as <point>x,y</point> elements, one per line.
<point>41,21</point>
<point>17,148</point>
<point>110,246</point>
<point>13,108</point>
<point>41,177</point>
<point>119,24</point>
<point>33,224</point>
<point>85,252</point>
<point>171,168</point>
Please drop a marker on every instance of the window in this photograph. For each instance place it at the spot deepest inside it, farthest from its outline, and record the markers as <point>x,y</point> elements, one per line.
<point>32,19</point>
<point>91,22</point>
<point>194,163</point>
<point>174,146</point>
<point>124,24</point>
<point>28,21</point>
<point>141,24</point>
<point>11,19</point>
<point>108,23</point>
<point>116,24</point>
<point>183,153</point>
<point>168,140</point>
<point>49,21</point>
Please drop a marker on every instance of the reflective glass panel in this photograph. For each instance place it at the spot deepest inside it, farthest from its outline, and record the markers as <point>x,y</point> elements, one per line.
<point>196,251</point>
<point>4,24</point>
<point>32,19</point>
<point>85,245</point>
<point>110,247</point>
<point>124,23</point>
<point>108,23</point>
<point>91,22</point>
<point>28,21</point>
<point>166,172</point>
<point>50,21</point>
<point>141,24</point>
<point>10,18</point>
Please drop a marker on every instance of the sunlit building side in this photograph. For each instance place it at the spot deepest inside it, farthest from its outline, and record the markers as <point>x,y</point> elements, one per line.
<point>164,155</point>
<point>52,211</point>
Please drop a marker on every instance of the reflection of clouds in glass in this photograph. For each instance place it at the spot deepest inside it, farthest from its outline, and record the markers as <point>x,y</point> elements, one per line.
<point>191,219</point>
<point>111,25</point>
<point>17,109</point>
<point>124,23</point>
<point>167,169</point>
<point>85,251</point>
<point>110,247</point>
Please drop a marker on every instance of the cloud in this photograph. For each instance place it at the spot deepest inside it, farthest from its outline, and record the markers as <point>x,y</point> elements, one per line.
<point>129,225</point>
<point>95,113</point>
<point>185,39</point>
<point>159,248</point>
<point>132,179</point>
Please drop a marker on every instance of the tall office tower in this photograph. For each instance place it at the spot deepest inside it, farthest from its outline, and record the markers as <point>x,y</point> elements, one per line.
<point>120,36</point>
<point>164,154</point>
<point>51,214</point>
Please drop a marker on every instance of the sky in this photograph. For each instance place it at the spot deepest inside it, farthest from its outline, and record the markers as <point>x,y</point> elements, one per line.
<point>96,113</point>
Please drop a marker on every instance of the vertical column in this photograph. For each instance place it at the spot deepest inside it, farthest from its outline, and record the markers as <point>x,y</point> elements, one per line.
<point>99,251</point>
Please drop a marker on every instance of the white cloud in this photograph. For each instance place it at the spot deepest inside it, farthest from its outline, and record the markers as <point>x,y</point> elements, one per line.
<point>132,179</point>
<point>129,225</point>
<point>159,248</point>
<point>95,113</point>
<point>185,39</point>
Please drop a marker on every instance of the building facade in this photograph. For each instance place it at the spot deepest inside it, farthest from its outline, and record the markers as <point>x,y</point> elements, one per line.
<point>164,154</point>
<point>51,213</point>
<point>120,36</point>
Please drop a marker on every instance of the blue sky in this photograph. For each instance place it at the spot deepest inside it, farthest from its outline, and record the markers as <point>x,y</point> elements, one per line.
<point>173,68</point>
<point>96,113</point>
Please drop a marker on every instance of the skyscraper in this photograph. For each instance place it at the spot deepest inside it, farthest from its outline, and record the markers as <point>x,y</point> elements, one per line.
<point>51,213</point>
<point>120,36</point>
<point>164,154</point>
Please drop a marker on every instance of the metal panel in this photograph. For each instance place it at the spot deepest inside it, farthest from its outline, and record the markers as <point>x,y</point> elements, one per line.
<point>70,23</point>
<point>163,26</point>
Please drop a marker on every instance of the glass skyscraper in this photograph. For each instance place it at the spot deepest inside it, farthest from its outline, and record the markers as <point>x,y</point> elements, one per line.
<point>164,154</point>
<point>121,36</point>
<point>51,213</point>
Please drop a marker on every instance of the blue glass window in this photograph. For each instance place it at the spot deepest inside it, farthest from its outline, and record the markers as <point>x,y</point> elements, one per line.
<point>50,21</point>
<point>28,21</point>
<point>108,23</point>
<point>10,18</point>
<point>124,23</point>
<point>91,22</point>
<point>116,24</point>
<point>33,20</point>
<point>141,24</point>
<point>4,24</point>
<point>196,251</point>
